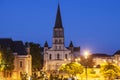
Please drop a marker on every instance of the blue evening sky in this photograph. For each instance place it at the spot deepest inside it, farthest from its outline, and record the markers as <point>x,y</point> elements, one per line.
<point>90,24</point>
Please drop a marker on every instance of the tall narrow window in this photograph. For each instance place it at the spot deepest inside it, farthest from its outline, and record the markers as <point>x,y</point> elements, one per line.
<point>58,56</point>
<point>56,41</point>
<point>20,73</point>
<point>21,64</point>
<point>65,56</point>
<point>50,56</point>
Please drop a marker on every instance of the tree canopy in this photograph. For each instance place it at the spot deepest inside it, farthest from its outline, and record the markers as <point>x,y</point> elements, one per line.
<point>36,53</point>
<point>72,68</point>
<point>110,70</point>
<point>89,61</point>
<point>6,59</point>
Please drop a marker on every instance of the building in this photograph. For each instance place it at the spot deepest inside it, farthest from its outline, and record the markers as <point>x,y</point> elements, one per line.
<point>58,54</point>
<point>116,58</point>
<point>22,58</point>
<point>100,58</point>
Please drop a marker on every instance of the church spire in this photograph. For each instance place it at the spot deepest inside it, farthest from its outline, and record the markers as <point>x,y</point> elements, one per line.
<point>71,44</point>
<point>58,22</point>
<point>46,44</point>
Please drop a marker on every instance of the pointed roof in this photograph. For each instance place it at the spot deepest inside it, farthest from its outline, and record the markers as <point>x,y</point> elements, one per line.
<point>46,44</point>
<point>58,22</point>
<point>71,44</point>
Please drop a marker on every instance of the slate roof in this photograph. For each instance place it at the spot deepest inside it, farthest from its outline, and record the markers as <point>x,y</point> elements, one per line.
<point>71,44</point>
<point>46,44</point>
<point>15,46</point>
<point>19,48</point>
<point>6,42</point>
<point>117,52</point>
<point>100,55</point>
<point>58,22</point>
<point>76,49</point>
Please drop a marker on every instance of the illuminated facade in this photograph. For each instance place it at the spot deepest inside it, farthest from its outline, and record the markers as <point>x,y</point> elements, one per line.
<point>22,59</point>
<point>58,54</point>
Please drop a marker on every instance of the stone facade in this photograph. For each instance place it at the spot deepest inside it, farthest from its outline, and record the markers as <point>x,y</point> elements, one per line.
<point>58,54</point>
<point>22,59</point>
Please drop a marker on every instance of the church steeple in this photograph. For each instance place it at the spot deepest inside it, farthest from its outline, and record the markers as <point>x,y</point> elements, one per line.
<point>58,31</point>
<point>58,22</point>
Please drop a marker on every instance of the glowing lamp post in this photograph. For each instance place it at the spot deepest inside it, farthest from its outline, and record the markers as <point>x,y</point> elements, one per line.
<point>86,56</point>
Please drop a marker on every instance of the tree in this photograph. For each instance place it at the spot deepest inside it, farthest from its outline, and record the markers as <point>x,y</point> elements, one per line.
<point>110,70</point>
<point>7,60</point>
<point>37,59</point>
<point>24,76</point>
<point>89,61</point>
<point>72,68</point>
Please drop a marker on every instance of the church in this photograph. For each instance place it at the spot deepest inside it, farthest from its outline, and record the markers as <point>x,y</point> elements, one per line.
<point>58,54</point>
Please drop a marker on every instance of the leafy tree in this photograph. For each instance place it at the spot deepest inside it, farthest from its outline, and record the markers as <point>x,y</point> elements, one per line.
<point>72,68</point>
<point>110,70</point>
<point>7,60</point>
<point>34,76</point>
<point>36,53</point>
<point>89,61</point>
<point>24,76</point>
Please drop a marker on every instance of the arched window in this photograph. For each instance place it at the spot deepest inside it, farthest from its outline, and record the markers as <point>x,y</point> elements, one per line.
<point>58,56</point>
<point>50,56</point>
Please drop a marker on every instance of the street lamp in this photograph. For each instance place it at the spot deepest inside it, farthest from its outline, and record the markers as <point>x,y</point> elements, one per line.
<point>86,56</point>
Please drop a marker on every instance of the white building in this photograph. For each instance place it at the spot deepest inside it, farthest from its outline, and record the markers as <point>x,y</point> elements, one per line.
<point>58,54</point>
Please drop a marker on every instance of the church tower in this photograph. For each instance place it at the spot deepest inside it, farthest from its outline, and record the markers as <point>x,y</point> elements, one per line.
<point>58,54</point>
<point>58,32</point>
